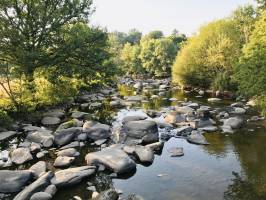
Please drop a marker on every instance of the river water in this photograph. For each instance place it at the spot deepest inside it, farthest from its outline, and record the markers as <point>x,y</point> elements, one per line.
<point>232,167</point>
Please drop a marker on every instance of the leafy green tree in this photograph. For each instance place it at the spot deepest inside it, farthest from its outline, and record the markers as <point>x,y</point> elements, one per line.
<point>204,57</point>
<point>155,34</point>
<point>131,60</point>
<point>157,55</point>
<point>134,36</point>
<point>251,72</point>
<point>261,5</point>
<point>30,31</point>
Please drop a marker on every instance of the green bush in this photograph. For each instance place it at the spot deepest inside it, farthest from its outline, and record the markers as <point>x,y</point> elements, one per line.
<point>5,120</point>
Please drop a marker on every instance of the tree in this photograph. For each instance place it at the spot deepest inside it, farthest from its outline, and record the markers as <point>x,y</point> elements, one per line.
<point>134,36</point>
<point>131,60</point>
<point>30,31</point>
<point>157,55</point>
<point>155,34</point>
<point>261,5</point>
<point>251,72</point>
<point>206,56</point>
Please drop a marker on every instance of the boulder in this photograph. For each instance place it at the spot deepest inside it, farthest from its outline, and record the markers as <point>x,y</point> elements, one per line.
<point>63,161</point>
<point>233,122</point>
<point>174,117</point>
<point>37,186</point>
<point>133,118</point>
<point>69,124</point>
<point>38,169</point>
<point>72,176</point>
<point>55,113</point>
<point>50,121</point>
<point>197,138</point>
<point>66,136</point>
<point>7,134</point>
<point>79,115</point>
<point>184,110</point>
<point>14,181</point>
<point>71,152</point>
<point>21,155</point>
<point>98,131</point>
<point>214,100</point>
<point>113,158</point>
<point>156,146</point>
<point>239,111</point>
<point>41,196</point>
<point>176,151</point>
<point>146,131</point>
<point>144,154</point>
<point>51,189</point>
<point>43,137</point>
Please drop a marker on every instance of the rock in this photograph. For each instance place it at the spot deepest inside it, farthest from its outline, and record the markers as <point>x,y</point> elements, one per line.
<point>227,129</point>
<point>205,122</point>
<point>14,181</point>
<point>256,118</point>
<point>71,152</point>
<point>197,138</point>
<point>95,195</point>
<point>44,138</point>
<point>144,154</point>
<point>100,142</point>
<point>55,113</point>
<point>69,124</point>
<point>72,176</point>
<point>237,104</point>
<point>201,92</point>
<point>182,131</point>
<point>214,100</point>
<point>41,154</point>
<point>7,135</point>
<point>66,136</point>
<point>157,146</point>
<point>77,198</point>
<point>176,151</point>
<point>82,137</point>
<point>95,105</point>
<point>184,110</point>
<point>174,117</point>
<point>110,194</point>
<point>137,85</point>
<point>239,111</point>
<point>209,128</point>
<point>38,169</point>
<point>113,158</point>
<point>98,131</point>
<point>35,147</point>
<point>71,145</point>
<point>21,155</point>
<point>173,99</point>
<point>30,128</point>
<point>50,121</point>
<point>63,161</point>
<point>36,186</point>
<point>79,115</point>
<point>193,105</point>
<point>133,118</point>
<point>144,130</point>
<point>41,196</point>
<point>51,189</point>
<point>91,188</point>
<point>233,122</point>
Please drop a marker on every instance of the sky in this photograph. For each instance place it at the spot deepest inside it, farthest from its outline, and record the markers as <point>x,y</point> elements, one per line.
<point>146,15</point>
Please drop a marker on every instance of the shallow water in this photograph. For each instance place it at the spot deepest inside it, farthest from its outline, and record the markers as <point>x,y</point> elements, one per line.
<point>232,167</point>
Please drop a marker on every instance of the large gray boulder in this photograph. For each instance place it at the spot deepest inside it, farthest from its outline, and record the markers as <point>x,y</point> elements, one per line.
<point>113,158</point>
<point>6,135</point>
<point>41,196</point>
<point>14,181</point>
<point>63,161</point>
<point>50,121</point>
<point>38,169</point>
<point>143,154</point>
<point>42,137</point>
<point>71,152</point>
<point>65,136</point>
<point>197,138</point>
<point>37,186</point>
<point>21,155</point>
<point>97,131</point>
<point>72,176</point>
<point>174,117</point>
<point>233,122</point>
<point>144,130</point>
<point>133,118</point>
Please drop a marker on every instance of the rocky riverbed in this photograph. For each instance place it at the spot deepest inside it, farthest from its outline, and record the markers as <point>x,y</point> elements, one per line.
<point>144,133</point>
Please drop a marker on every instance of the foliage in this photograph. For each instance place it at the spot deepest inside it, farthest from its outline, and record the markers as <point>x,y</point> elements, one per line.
<point>204,56</point>
<point>5,120</point>
<point>157,34</point>
<point>251,72</point>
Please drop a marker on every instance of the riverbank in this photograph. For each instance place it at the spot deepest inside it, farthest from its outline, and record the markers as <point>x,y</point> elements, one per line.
<point>105,137</point>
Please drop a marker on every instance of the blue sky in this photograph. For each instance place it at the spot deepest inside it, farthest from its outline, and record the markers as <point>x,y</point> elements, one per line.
<point>146,15</point>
